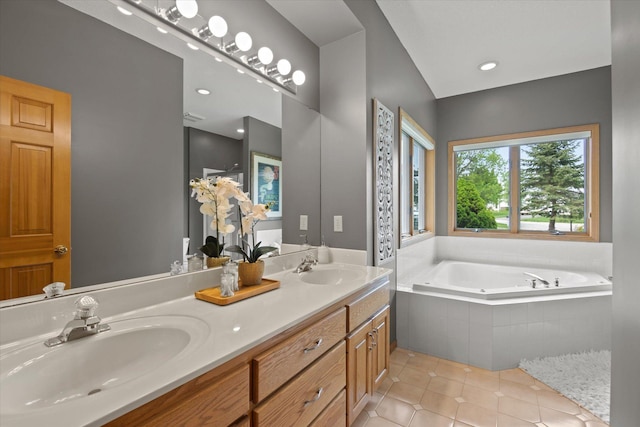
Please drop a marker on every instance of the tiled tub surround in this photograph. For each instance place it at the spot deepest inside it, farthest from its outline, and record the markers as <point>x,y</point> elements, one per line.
<point>233,330</point>
<point>496,334</point>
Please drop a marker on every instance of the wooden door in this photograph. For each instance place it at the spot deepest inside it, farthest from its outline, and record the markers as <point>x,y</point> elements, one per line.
<point>380,352</point>
<point>35,187</point>
<point>358,371</point>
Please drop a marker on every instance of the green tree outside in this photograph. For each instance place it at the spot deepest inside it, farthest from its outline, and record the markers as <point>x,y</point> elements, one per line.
<point>483,168</point>
<point>552,182</point>
<point>471,209</point>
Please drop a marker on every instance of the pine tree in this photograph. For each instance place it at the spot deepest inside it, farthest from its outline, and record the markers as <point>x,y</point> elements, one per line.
<point>552,181</point>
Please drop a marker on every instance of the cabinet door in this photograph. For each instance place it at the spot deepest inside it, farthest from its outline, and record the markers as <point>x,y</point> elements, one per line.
<point>358,371</point>
<point>380,348</point>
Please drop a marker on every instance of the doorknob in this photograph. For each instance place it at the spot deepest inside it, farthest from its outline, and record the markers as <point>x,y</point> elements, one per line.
<point>60,250</point>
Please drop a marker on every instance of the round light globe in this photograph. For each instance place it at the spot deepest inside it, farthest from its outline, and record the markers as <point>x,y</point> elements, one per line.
<point>284,67</point>
<point>265,55</point>
<point>243,41</point>
<point>187,8</point>
<point>298,77</point>
<point>218,26</point>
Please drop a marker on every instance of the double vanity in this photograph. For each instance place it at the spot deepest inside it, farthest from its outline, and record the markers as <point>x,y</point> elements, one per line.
<point>308,353</point>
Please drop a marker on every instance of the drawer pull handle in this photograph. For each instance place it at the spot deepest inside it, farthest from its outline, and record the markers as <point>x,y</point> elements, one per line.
<point>314,347</point>
<point>315,398</point>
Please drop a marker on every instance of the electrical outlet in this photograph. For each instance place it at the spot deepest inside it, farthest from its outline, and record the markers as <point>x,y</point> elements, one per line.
<point>304,222</point>
<point>337,223</point>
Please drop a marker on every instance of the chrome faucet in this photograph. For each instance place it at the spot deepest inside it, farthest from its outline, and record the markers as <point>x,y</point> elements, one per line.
<point>536,277</point>
<point>306,263</point>
<point>84,323</point>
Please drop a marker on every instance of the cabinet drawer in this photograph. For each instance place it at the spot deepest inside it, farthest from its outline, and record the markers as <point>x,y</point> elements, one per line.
<point>304,398</point>
<point>362,309</point>
<point>218,404</point>
<point>279,364</point>
<point>335,414</point>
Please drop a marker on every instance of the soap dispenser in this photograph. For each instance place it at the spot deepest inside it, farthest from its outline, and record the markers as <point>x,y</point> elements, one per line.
<point>323,253</point>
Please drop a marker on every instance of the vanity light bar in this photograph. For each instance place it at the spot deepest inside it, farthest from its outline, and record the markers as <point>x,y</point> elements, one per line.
<point>198,37</point>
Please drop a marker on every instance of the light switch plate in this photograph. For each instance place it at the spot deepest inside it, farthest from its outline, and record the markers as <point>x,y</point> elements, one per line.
<point>304,222</point>
<point>337,223</point>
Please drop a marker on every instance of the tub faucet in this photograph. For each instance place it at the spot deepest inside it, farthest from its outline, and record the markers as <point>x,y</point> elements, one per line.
<point>535,276</point>
<point>85,323</point>
<point>306,264</point>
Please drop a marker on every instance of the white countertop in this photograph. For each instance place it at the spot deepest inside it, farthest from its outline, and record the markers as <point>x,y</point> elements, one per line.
<point>234,329</point>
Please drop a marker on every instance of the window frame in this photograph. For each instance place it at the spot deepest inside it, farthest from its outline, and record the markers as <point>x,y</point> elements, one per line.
<point>592,186</point>
<point>416,134</point>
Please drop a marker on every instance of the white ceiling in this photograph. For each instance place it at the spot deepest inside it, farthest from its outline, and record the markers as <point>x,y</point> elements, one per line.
<point>531,39</point>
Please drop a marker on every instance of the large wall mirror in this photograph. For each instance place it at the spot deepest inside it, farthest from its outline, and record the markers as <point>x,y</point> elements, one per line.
<point>140,130</point>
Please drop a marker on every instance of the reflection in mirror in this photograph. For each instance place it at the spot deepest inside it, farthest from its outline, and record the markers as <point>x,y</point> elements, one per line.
<point>130,149</point>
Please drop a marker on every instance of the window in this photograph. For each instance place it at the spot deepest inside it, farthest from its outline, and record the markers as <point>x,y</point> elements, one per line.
<point>541,184</point>
<point>417,174</point>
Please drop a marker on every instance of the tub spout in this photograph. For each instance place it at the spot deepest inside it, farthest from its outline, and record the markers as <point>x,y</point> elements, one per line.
<point>535,276</point>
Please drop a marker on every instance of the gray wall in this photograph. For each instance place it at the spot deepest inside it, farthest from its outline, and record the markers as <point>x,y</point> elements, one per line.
<point>126,150</point>
<point>263,138</point>
<point>625,68</point>
<point>206,150</point>
<point>568,100</point>
<point>301,159</point>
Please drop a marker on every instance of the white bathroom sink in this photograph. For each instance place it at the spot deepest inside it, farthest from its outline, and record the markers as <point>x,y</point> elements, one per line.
<point>332,274</point>
<point>35,377</point>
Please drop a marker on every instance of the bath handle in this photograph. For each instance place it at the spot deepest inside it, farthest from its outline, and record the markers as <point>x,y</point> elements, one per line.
<point>315,346</point>
<point>315,398</point>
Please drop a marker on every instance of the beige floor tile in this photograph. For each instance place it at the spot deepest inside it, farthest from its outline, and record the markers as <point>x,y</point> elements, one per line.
<point>543,386</point>
<point>423,363</point>
<point>406,392</point>
<point>373,403</point>
<point>482,380</point>
<point>361,420</point>
<point>461,424</point>
<point>476,415</point>
<point>553,418</point>
<point>380,422</point>
<point>477,370</point>
<point>481,397</point>
<point>385,385</point>
<point>451,371</point>
<point>519,409</point>
<point>445,386</point>
<point>518,391</point>
<point>429,419</point>
<point>452,363</point>
<point>439,403</point>
<point>558,402</point>
<point>595,424</point>
<point>414,377</point>
<point>509,421</point>
<point>517,375</point>
<point>395,369</point>
<point>400,356</point>
<point>395,410</point>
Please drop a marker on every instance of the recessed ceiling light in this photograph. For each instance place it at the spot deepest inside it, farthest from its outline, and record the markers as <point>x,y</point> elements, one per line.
<point>162,30</point>
<point>203,91</point>
<point>124,11</point>
<point>240,130</point>
<point>240,71</point>
<point>218,59</point>
<point>192,46</point>
<point>259,81</point>
<point>486,66</point>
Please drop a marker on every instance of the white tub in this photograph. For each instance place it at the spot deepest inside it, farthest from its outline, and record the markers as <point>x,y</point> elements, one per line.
<point>489,315</point>
<point>489,281</point>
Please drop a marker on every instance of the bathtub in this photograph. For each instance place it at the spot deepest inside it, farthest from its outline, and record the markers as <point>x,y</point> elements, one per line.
<point>489,281</point>
<point>489,316</point>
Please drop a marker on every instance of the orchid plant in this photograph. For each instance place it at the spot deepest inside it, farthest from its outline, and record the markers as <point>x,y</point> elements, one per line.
<point>215,196</point>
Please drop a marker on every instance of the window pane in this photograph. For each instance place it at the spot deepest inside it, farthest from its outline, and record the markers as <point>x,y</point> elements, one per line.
<point>419,183</point>
<point>482,183</point>
<point>405,185</point>
<point>552,186</point>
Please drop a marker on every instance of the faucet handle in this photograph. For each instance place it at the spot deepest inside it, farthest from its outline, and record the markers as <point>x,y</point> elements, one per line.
<point>86,307</point>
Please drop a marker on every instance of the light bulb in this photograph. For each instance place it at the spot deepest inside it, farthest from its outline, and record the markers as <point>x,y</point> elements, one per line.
<point>187,8</point>
<point>265,55</point>
<point>218,26</point>
<point>243,41</point>
<point>299,77</point>
<point>284,67</point>
<point>488,66</point>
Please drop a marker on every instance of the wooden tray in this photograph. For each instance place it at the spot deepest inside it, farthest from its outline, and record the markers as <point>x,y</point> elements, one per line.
<point>213,294</point>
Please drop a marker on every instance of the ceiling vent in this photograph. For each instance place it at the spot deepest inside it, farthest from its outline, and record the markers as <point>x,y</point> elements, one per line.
<point>193,117</point>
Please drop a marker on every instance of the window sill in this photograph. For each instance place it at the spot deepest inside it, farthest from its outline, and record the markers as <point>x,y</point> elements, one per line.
<point>524,235</point>
<point>408,241</point>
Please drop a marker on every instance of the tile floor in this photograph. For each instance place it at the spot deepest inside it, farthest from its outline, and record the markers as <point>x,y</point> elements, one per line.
<point>425,391</point>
